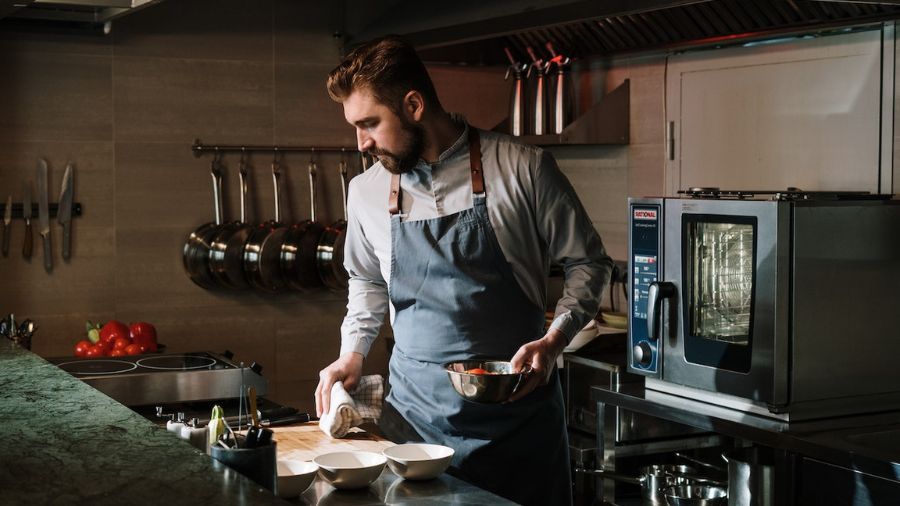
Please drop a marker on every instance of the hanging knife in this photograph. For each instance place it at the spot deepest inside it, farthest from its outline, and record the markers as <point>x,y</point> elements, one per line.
<point>26,214</point>
<point>7,219</point>
<point>64,211</point>
<point>44,213</point>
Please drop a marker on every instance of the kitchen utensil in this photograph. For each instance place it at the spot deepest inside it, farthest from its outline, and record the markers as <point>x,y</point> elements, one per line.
<point>251,397</point>
<point>497,384</point>
<point>28,242</point>
<point>263,248</point>
<point>517,100</point>
<point>44,213</point>
<point>346,470</point>
<point>299,249</point>
<point>695,495</point>
<point>562,94</point>
<point>418,461</point>
<point>286,420</point>
<point>195,255</point>
<point>330,251</point>
<point>64,210</point>
<point>7,220</point>
<point>226,254</point>
<point>295,476</point>
<point>751,476</point>
<point>537,123</point>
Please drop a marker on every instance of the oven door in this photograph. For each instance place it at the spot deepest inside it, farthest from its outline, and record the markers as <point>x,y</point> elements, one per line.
<point>726,330</point>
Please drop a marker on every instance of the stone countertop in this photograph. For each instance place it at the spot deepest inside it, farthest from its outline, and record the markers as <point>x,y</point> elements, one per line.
<point>67,443</point>
<point>867,443</point>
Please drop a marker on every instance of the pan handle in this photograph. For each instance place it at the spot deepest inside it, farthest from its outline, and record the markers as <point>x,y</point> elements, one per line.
<point>216,173</point>
<point>276,176</point>
<point>312,191</point>
<point>242,174</point>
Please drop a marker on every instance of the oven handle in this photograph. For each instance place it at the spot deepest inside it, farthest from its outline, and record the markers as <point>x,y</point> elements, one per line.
<point>657,292</point>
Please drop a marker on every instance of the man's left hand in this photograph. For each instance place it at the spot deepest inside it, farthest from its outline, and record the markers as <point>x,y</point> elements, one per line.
<point>541,356</point>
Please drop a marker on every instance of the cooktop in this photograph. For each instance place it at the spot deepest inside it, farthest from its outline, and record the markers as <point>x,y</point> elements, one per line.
<point>164,378</point>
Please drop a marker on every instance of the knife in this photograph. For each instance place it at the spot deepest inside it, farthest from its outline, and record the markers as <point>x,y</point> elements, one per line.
<point>7,219</point>
<point>44,213</point>
<point>64,211</point>
<point>26,215</point>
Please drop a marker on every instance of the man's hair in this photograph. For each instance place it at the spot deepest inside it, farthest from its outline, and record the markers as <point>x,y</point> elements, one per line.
<point>388,67</point>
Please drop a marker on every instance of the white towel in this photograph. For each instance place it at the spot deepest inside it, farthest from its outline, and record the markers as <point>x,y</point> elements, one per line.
<point>349,410</point>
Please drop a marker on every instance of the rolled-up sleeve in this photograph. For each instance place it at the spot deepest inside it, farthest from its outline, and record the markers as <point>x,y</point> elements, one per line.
<point>367,301</point>
<point>573,243</point>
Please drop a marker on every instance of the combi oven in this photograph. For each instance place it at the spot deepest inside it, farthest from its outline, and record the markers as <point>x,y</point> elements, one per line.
<point>785,304</point>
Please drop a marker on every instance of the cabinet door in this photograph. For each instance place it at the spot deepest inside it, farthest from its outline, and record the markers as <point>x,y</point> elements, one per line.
<point>804,112</point>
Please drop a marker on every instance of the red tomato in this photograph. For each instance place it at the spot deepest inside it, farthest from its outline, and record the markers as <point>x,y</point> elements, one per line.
<point>112,330</point>
<point>81,347</point>
<point>144,335</point>
<point>477,370</point>
<point>94,352</point>
<point>121,343</point>
<point>117,353</point>
<point>132,349</point>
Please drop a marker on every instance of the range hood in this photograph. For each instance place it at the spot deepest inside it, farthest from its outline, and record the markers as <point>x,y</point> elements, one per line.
<point>476,31</point>
<point>67,14</point>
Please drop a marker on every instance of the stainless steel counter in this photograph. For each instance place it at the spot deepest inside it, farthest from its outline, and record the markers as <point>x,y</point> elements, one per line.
<point>866,443</point>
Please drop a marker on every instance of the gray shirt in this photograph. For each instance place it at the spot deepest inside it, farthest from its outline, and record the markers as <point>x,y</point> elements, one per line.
<point>534,212</point>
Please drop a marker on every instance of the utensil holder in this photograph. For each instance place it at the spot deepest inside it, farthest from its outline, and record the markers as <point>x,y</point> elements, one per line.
<point>258,464</point>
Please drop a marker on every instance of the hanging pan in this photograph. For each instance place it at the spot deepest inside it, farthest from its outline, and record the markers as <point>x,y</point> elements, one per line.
<point>195,255</point>
<point>298,252</point>
<point>330,251</point>
<point>263,246</point>
<point>226,258</point>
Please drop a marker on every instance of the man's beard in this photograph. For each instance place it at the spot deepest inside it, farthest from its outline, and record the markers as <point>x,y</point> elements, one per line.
<point>405,160</point>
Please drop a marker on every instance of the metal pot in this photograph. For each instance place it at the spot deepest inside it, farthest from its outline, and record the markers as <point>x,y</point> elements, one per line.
<point>751,475</point>
<point>195,255</point>
<point>226,256</point>
<point>330,251</point>
<point>654,479</point>
<point>695,495</point>
<point>301,240</point>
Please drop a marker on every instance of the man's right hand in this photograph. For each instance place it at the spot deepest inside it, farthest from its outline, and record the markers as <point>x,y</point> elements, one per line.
<point>347,369</point>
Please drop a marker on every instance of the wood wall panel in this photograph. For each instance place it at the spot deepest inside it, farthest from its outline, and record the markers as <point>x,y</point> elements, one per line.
<point>55,96</point>
<point>236,30</point>
<point>178,100</point>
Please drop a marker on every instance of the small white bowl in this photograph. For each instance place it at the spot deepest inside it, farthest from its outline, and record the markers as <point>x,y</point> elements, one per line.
<point>350,469</point>
<point>418,461</point>
<point>294,477</point>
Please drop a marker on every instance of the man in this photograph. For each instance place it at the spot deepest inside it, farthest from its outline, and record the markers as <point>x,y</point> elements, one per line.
<point>453,231</point>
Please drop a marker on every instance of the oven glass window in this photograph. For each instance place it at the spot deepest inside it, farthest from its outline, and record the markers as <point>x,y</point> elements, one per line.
<point>721,274</point>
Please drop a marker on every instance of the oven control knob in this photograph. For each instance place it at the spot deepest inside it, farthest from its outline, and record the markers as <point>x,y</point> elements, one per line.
<point>643,354</point>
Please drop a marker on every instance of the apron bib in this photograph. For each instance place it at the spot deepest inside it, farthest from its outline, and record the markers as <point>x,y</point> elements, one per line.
<point>456,298</point>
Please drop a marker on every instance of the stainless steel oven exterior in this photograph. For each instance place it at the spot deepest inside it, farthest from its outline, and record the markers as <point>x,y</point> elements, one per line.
<point>821,329</point>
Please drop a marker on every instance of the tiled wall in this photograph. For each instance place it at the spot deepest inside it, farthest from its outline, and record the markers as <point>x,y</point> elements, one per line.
<point>125,109</point>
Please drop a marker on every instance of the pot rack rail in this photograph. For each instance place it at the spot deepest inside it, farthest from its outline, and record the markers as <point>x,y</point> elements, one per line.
<point>198,148</point>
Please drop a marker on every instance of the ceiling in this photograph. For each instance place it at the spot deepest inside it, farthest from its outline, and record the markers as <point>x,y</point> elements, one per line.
<point>476,32</point>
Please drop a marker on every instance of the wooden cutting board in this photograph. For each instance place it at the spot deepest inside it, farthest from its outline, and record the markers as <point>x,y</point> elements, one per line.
<point>307,441</point>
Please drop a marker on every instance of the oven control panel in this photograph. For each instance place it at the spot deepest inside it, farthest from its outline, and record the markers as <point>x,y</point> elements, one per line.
<point>644,262</point>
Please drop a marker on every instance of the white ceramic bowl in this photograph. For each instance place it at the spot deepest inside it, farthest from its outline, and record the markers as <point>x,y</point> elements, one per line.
<point>294,477</point>
<point>418,461</point>
<point>350,469</point>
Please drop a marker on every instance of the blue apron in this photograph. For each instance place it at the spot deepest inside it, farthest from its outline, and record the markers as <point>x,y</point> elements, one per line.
<point>456,298</point>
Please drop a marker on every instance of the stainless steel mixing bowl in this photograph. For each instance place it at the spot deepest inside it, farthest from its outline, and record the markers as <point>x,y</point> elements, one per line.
<point>497,386</point>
